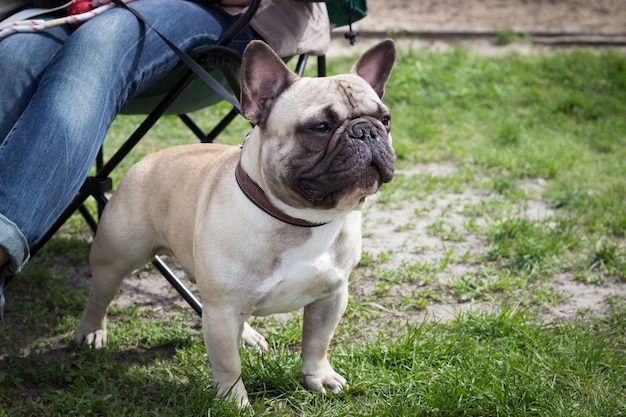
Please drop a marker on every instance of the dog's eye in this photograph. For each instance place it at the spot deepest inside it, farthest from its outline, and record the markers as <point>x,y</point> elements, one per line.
<point>386,121</point>
<point>321,128</point>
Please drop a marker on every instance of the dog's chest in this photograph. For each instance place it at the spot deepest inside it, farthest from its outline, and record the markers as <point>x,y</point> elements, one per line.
<point>304,274</point>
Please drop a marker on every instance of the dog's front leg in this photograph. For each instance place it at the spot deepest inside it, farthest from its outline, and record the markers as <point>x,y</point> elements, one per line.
<point>320,320</point>
<point>222,328</point>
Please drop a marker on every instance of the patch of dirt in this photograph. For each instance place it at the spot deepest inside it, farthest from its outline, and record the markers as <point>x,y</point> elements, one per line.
<point>565,16</point>
<point>440,24</point>
<point>384,231</point>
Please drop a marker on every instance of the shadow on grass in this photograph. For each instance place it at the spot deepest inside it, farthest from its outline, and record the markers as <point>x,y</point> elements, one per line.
<point>98,382</point>
<point>42,371</point>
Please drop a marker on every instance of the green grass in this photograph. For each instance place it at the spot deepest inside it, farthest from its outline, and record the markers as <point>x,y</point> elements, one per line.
<point>515,130</point>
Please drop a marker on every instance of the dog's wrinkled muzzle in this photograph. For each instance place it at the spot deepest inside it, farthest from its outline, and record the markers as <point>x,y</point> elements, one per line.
<point>382,155</point>
<point>360,162</point>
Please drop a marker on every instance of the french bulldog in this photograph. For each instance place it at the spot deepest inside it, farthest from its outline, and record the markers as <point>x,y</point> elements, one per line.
<point>268,227</point>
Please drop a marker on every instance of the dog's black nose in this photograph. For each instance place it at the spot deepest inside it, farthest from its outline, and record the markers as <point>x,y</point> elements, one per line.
<point>362,129</point>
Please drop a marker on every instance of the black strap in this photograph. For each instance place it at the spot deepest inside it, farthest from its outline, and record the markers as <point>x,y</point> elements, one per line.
<point>190,62</point>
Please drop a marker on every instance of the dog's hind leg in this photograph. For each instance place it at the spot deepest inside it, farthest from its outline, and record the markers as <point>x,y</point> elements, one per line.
<point>115,253</point>
<point>254,339</point>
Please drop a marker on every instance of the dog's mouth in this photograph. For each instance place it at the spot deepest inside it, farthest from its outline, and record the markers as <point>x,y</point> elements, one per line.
<point>359,164</point>
<point>369,181</point>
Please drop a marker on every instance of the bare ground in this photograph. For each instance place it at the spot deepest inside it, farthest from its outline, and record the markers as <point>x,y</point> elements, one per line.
<point>439,25</point>
<point>384,230</point>
<point>564,16</point>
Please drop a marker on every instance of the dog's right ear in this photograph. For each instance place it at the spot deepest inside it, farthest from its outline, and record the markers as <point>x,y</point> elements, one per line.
<point>264,76</point>
<point>376,64</point>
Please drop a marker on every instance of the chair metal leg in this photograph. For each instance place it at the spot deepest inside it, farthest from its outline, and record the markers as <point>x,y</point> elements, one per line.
<point>321,66</point>
<point>195,129</point>
<point>223,124</point>
<point>301,65</point>
<point>178,285</point>
<point>93,224</point>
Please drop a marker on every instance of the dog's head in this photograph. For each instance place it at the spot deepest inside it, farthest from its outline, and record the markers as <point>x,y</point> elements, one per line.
<point>319,143</point>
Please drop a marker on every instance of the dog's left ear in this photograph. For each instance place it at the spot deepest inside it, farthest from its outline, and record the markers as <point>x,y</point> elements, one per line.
<point>264,76</point>
<point>375,65</point>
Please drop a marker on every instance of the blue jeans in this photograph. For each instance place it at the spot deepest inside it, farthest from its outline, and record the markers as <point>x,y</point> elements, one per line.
<point>59,93</point>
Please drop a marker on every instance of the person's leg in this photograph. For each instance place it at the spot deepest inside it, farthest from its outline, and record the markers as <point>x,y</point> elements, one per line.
<point>20,77</point>
<point>100,68</point>
<point>4,258</point>
<point>23,59</point>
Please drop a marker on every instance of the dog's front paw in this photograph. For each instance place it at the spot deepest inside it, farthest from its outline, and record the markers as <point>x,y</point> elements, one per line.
<point>324,378</point>
<point>96,339</point>
<point>254,339</point>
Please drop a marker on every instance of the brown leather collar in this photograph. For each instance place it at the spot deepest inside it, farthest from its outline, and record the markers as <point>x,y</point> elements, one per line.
<point>255,193</point>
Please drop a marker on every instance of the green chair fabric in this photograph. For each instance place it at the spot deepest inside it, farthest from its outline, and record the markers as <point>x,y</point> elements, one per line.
<point>196,96</point>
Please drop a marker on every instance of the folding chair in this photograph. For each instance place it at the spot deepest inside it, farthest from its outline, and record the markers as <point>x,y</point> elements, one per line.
<point>179,94</point>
